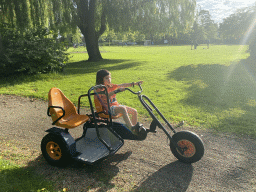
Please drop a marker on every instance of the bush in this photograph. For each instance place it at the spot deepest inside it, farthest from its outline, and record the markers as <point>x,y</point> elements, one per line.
<point>32,51</point>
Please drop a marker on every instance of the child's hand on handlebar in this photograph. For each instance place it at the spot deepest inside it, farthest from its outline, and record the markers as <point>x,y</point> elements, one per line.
<point>138,83</point>
<point>121,89</point>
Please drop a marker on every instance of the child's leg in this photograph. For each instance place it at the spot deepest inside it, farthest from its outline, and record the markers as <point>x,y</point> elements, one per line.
<point>123,110</point>
<point>134,114</point>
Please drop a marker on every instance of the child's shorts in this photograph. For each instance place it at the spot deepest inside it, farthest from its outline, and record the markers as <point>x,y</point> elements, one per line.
<point>112,110</point>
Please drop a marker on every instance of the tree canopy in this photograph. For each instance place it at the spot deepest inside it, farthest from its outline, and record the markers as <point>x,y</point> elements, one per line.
<point>233,28</point>
<point>93,17</point>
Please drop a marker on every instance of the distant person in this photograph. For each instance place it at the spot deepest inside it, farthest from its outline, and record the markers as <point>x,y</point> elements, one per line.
<point>195,44</point>
<point>192,43</point>
<point>208,44</point>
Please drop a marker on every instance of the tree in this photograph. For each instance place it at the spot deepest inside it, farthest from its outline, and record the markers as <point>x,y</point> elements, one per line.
<point>1,45</point>
<point>240,27</point>
<point>233,28</point>
<point>147,17</point>
<point>139,37</point>
<point>198,34</point>
<point>111,35</point>
<point>77,37</point>
<point>26,46</point>
<point>93,16</point>
<point>164,16</point>
<point>250,36</point>
<point>209,27</point>
<point>30,52</point>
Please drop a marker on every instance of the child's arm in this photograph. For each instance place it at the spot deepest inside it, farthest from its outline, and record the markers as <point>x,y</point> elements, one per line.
<point>121,87</point>
<point>128,84</point>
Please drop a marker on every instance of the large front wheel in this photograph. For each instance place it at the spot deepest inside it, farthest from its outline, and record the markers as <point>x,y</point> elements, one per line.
<point>190,144</point>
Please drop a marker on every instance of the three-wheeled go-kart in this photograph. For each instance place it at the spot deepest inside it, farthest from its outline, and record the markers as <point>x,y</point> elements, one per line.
<point>102,136</point>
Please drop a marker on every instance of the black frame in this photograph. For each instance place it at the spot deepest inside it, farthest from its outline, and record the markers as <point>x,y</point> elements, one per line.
<point>96,120</point>
<point>142,99</point>
<point>48,113</point>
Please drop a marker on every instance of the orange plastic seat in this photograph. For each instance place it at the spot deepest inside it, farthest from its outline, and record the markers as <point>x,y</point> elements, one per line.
<point>103,113</point>
<point>71,119</point>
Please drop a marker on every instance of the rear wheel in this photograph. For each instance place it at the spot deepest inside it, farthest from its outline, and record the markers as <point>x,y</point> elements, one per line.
<point>192,147</point>
<point>55,150</point>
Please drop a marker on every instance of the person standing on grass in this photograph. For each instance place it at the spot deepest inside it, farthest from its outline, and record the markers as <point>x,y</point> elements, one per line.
<point>104,77</point>
<point>195,44</point>
<point>208,44</point>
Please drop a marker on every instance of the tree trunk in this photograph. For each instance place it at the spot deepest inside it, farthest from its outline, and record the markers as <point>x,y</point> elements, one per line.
<point>87,27</point>
<point>92,46</point>
<point>91,38</point>
<point>1,46</point>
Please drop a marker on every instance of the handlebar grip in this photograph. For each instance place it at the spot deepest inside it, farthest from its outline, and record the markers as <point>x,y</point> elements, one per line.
<point>136,93</point>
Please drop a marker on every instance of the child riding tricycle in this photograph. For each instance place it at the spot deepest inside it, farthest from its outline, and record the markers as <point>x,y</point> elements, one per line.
<point>101,136</point>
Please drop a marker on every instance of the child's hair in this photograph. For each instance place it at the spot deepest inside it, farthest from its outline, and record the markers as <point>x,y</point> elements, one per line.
<point>100,75</point>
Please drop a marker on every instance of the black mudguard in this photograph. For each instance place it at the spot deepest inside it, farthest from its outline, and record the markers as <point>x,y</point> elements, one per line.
<point>67,138</point>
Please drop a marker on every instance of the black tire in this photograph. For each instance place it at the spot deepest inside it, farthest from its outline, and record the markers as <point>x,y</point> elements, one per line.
<point>190,143</point>
<point>55,151</point>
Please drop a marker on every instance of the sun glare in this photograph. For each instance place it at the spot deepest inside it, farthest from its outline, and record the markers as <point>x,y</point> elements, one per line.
<point>249,31</point>
<point>244,1</point>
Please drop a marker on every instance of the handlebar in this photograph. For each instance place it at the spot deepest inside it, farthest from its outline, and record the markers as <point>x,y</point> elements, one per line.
<point>136,93</point>
<point>117,91</point>
<point>96,87</point>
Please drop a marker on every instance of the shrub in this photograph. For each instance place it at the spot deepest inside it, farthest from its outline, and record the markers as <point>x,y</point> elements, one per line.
<point>31,51</point>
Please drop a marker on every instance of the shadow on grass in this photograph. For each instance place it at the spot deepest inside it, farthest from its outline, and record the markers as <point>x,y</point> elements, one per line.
<point>18,79</point>
<point>21,179</point>
<point>222,89</point>
<point>78,176</point>
<point>175,176</point>
<point>83,67</point>
<point>74,68</point>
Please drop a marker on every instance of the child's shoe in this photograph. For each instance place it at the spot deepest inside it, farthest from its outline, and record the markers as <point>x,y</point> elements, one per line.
<point>136,129</point>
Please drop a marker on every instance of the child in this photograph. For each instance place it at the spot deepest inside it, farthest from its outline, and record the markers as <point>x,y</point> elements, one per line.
<point>104,77</point>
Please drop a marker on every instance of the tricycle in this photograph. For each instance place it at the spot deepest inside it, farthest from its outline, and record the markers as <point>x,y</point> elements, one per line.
<point>103,137</point>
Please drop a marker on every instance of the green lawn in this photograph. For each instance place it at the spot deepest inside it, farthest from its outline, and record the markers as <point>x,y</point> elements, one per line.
<point>208,88</point>
<point>17,178</point>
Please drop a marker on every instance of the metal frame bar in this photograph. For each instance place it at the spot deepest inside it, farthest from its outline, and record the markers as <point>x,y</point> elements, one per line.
<point>48,113</point>
<point>149,109</point>
<point>95,120</point>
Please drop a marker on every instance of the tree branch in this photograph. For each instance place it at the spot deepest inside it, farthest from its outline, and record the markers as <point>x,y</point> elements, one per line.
<point>83,14</point>
<point>103,23</point>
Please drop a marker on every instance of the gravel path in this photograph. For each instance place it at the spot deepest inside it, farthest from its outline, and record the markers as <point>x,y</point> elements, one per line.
<point>229,163</point>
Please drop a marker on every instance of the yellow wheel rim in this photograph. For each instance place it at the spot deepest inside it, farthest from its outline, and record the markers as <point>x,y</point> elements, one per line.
<point>188,147</point>
<point>53,150</point>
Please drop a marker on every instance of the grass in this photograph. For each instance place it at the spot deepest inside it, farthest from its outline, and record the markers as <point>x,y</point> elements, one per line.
<point>212,89</point>
<point>16,178</point>
<point>18,164</point>
<point>208,88</point>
